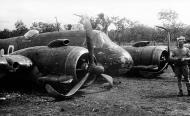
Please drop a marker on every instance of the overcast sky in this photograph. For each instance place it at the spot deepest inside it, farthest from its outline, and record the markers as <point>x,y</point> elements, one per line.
<point>143,11</point>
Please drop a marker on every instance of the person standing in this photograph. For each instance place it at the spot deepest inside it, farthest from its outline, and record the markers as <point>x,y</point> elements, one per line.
<point>180,57</point>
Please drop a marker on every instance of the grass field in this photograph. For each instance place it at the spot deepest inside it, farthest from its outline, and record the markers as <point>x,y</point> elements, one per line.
<point>130,96</point>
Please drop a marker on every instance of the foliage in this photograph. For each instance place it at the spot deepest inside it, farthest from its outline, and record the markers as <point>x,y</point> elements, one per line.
<point>130,31</point>
<point>126,30</point>
<point>102,20</point>
<point>187,32</point>
<point>136,33</point>
<point>5,34</point>
<point>20,28</point>
<point>169,19</point>
<point>68,26</point>
<point>45,27</point>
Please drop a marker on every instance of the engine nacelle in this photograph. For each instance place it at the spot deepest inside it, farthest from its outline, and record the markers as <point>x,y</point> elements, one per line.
<point>61,67</point>
<point>145,57</point>
<point>66,60</point>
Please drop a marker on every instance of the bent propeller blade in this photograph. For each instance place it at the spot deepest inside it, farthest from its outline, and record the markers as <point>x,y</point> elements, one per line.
<point>54,93</point>
<point>108,78</point>
<point>78,85</point>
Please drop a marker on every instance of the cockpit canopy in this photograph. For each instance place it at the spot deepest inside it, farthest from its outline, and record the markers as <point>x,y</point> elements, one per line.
<point>31,34</point>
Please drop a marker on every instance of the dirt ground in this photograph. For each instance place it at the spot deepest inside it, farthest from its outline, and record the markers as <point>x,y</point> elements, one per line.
<point>130,96</point>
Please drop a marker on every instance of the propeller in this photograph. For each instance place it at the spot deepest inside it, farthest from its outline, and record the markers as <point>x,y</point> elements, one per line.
<point>91,68</point>
<point>169,38</point>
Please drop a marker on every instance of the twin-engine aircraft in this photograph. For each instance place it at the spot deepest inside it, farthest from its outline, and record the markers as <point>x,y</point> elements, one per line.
<point>60,68</point>
<point>115,59</point>
<point>139,57</point>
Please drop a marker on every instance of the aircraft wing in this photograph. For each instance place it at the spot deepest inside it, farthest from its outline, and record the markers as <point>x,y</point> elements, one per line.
<point>13,63</point>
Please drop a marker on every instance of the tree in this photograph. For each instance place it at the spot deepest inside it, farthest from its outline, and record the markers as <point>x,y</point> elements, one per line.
<point>169,20</point>
<point>123,23</point>
<point>168,17</point>
<point>5,34</point>
<point>124,29</point>
<point>102,20</point>
<point>21,28</point>
<point>93,22</point>
<point>45,27</point>
<point>67,26</point>
<point>187,32</point>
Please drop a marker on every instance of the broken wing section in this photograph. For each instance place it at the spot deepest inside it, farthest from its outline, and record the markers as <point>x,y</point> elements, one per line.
<point>14,63</point>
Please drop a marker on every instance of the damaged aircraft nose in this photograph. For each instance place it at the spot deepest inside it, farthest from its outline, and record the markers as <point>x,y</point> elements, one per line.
<point>113,57</point>
<point>115,61</point>
<point>124,62</point>
<point>119,65</point>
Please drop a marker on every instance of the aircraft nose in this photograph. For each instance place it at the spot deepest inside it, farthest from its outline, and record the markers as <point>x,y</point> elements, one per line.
<point>126,63</point>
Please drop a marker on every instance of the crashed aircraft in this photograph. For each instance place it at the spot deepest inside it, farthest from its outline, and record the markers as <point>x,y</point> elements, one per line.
<point>108,54</point>
<point>60,68</point>
<point>114,58</point>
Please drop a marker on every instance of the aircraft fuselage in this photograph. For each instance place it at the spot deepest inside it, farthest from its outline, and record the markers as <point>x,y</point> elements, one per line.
<point>114,58</point>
